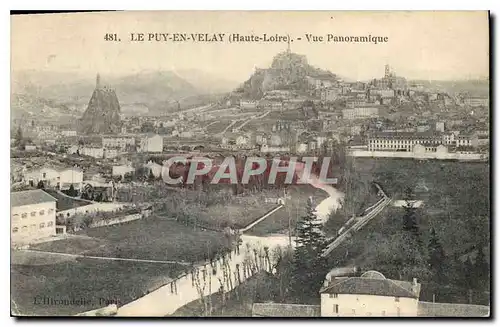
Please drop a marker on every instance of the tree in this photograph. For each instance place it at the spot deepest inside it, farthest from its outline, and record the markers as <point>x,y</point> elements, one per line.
<point>283,267</point>
<point>481,268</point>
<point>310,267</point>
<point>19,136</point>
<point>151,177</point>
<point>410,222</point>
<point>40,185</point>
<point>437,258</point>
<point>72,191</point>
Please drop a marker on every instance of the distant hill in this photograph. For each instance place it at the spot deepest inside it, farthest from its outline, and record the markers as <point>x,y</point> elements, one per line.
<point>69,94</point>
<point>477,87</point>
<point>206,82</point>
<point>30,107</point>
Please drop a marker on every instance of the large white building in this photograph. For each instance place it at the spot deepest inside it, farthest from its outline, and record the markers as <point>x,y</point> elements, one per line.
<point>122,170</point>
<point>151,143</point>
<point>94,152</point>
<point>402,141</point>
<point>56,178</point>
<point>405,141</point>
<point>369,295</point>
<point>120,142</point>
<point>33,216</point>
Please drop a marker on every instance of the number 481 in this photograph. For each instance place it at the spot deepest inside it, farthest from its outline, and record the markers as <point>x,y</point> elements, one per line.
<point>111,37</point>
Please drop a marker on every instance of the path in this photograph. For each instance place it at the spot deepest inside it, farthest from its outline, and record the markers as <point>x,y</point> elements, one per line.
<point>109,258</point>
<point>236,129</point>
<point>242,230</point>
<point>228,127</point>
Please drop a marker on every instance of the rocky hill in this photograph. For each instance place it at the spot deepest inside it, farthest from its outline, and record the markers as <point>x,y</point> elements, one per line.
<point>288,71</point>
<point>102,114</point>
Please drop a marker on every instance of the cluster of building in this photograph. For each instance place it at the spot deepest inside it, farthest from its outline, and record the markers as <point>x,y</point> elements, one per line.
<point>113,146</point>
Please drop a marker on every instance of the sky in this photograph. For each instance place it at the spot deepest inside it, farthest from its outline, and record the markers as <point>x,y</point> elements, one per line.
<point>421,45</point>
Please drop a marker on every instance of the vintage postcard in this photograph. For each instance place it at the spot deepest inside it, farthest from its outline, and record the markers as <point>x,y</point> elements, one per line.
<point>250,164</point>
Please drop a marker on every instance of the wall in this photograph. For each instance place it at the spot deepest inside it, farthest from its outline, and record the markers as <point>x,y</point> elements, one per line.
<point>32,223</point>
<point>429,309</point>
<point>117,220</point>
<point>427,155</point>
<point>93,207</point>
<point>367,305</point>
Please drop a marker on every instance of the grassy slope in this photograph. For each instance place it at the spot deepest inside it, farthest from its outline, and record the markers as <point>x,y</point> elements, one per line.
<point>92,280</point>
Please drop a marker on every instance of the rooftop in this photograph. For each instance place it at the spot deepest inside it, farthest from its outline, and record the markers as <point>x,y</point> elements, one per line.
<point>24,198</point>
<point>371,286</point>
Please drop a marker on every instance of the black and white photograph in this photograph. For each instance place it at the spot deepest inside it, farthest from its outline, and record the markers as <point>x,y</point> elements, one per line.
<point>250,164</point>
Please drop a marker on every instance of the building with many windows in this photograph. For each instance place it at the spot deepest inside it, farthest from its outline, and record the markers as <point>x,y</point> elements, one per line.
<point>360,113</point>
<point>33,216</point>
<point>120,142</point>
<point>402,141</point>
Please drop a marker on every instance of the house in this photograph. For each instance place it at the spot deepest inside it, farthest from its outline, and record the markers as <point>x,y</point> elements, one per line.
<point>467,140</point>
<point>94,152</point>
<point>68,133</point>
<point>49,176</point>
<point>235,141</point>
<point>248,104</point>
<point>155,168</point>
<point>301,147</point>
<point>267,149</point>
<point>371,294</point>
<point>73,149</point>
<point>70,176</point>
<point>30,147</point>
<point>110,153</point>
<point>477,102</point>
<point>151,143</point>
<point>120,142</point>
<point>186,134</point>
<point>33,216</point>
<point>56,178</point>
<point>360,113</point>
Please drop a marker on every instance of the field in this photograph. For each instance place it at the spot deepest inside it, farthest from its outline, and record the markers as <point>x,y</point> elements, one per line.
<point>97,282</point>
<point>153,238</point>
<point>294,209</point>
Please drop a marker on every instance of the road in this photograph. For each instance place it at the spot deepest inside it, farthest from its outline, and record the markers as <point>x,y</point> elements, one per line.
<point>236,129</point>
<point>360,222</point>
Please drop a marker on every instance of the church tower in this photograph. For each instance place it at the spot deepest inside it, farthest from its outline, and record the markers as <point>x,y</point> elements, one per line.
<point>387,71</point>
<point>98,81</point>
